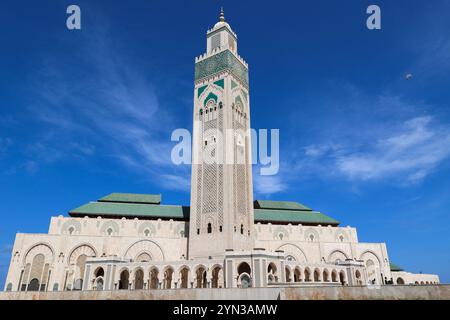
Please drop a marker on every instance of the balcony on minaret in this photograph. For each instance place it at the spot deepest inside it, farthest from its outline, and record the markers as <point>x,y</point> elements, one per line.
<point>221,37</point>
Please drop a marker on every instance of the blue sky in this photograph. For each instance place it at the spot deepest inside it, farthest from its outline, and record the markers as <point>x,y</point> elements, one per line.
<point>90,112</point>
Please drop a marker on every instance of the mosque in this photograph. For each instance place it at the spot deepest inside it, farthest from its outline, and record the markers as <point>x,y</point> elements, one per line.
<point>224,239</point>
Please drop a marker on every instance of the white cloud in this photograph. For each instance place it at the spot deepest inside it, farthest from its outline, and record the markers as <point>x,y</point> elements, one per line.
<point>409,153</point>
<point>267,185</point>
<point>103,106</point>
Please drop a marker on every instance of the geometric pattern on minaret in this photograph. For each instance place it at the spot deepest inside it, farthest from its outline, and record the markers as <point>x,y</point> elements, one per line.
<point>221,215</point>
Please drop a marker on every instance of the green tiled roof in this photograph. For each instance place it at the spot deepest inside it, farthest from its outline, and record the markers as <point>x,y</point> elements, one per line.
<point>132,198</point>
<point>142,210</point>
<point>395,267</point>
<point>280,205</point>
<point>118,205</point>
<point>293,216</point>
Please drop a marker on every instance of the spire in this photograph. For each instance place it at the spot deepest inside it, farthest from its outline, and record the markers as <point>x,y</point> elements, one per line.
<point>222,15</point>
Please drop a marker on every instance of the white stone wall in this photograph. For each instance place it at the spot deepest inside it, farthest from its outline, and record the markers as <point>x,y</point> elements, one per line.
<point>330,249</point>
<point>165,242</point>
<point>407,278</point>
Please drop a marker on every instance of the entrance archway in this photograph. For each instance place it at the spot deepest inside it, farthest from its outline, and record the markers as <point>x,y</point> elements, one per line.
<point>154,282</point>
<point>201,277</point>
<point>34,285</point>
<point>244,272</point>
<point>184,278</point>
<point>216,277</point>
<point>139,279</point>
<point>124,280</point>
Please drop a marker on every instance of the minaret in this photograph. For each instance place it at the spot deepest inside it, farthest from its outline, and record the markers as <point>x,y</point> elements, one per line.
<point>221,215</point>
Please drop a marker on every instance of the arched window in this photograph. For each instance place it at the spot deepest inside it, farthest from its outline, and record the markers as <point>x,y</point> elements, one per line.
<point>124,280</point>
<point>143,257</point>
<point>71,230</point>
<point>201,277</point>
<point>146,232</point>
<point>358,277</point>
<point>99,272</point>
<point>184,277</point>
<point>307,275</point>
<point>297,275</point>
<point>244,272</point>
<point>168,278</point>
<point>34,285</point>
<point>139,280</point>
<point>290,258</point>
<point>39,270</point>
<point>154,281</point>
<point>311,237</point>
<point>272,272</point>
<point>334,276</point>
<point>244,267</point>
<point>217,277</point>
<point>109,231</point>
<point>316,275</point>
<point>288,274</point>
<point>209,228</point>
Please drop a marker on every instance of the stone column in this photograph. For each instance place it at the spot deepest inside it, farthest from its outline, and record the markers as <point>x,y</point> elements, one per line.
<point>231,281</point>
<point>108,278</point>
<point>87,278</point>
<point>256,274</point>
<point>282,272</point>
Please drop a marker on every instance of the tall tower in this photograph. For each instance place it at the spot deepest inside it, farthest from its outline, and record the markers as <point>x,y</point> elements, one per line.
<point>221,187</point>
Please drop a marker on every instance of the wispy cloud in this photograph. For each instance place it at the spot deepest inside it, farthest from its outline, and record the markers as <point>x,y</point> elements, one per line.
<point>359,138</point>
<point>412,153</point>
<point>268,185</point>
<point>408,153</point>
<point>104,107</point>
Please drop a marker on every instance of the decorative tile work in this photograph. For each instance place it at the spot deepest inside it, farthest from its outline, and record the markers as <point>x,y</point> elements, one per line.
<point>222,61</point>
<point>210,96</point>
<point>220,83</point>
<point>200,90</point>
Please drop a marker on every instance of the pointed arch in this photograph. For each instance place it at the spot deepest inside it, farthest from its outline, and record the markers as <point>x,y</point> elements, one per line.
<point>337,255</point>
<point>151,247</point>
<point>295,251</point>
